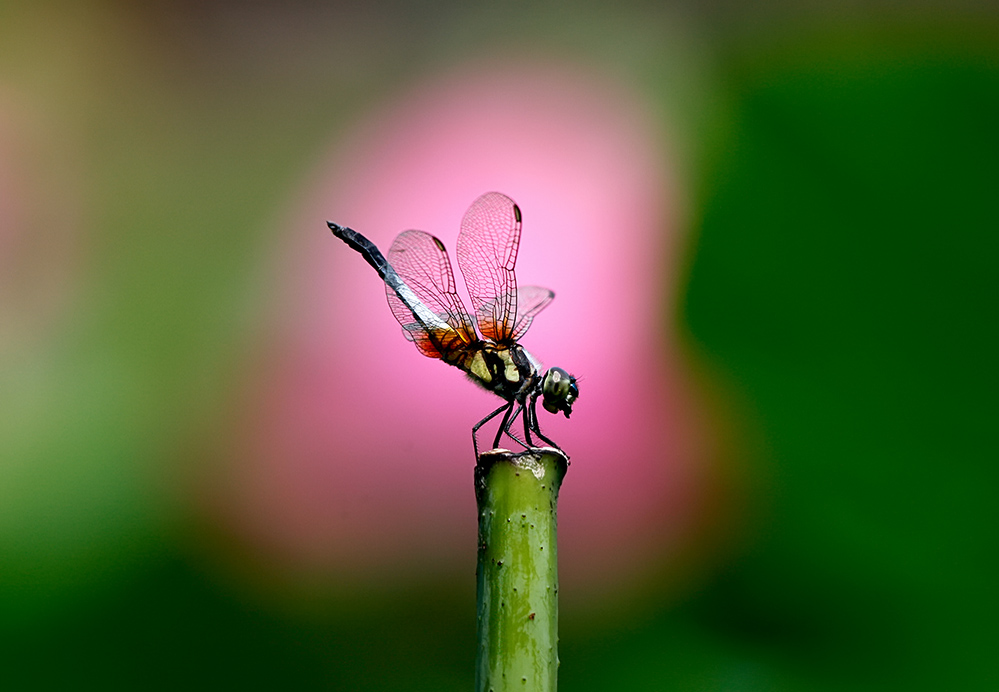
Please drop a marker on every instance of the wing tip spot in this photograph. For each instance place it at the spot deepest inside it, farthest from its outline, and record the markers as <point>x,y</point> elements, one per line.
<point>516,213</point>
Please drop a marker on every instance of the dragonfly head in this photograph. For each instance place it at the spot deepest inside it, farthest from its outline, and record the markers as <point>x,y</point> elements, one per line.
<point>559,390</point>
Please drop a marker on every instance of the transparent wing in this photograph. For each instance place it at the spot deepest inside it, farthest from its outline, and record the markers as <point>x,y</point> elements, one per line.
<point>429,309</point>
<point>487,252</point>
<point>530,301</point>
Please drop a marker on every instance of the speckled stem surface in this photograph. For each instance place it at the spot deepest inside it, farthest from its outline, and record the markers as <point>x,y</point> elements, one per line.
<point>517,571</point>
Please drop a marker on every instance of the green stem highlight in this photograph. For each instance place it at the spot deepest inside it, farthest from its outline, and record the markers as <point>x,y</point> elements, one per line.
<point>517,571</point>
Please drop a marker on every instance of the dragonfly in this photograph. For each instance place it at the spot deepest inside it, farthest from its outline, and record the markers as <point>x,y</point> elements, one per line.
<point>423,297</point>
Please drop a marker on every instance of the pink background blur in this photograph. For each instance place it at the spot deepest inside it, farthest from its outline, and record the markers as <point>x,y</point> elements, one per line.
<point>356,449</point>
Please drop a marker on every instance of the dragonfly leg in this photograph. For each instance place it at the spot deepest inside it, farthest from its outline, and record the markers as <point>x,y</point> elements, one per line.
<point>527,426</point>
<point>504,425</point>
<point>475,428</point>
<point>533,411</point>
<point>507,426</point>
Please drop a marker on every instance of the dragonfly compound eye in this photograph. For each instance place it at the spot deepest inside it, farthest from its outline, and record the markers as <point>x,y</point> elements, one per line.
<point>559,390</point>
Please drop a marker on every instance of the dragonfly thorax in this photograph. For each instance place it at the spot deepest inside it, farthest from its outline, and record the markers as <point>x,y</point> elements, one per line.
<point>506,370</point>
<point>514,374</point>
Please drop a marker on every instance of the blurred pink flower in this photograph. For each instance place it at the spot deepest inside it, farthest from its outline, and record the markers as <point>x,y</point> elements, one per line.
<point>356,454</point>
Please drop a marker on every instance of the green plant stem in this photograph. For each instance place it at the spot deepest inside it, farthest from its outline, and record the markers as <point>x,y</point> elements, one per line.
<point>517,574</point>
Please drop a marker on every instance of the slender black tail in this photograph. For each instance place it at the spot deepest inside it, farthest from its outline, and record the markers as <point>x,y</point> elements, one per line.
<point>369,251</point>
<point>373,256</point>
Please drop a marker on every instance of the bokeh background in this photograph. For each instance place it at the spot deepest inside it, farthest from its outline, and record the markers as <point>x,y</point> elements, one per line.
<point>773,232</point>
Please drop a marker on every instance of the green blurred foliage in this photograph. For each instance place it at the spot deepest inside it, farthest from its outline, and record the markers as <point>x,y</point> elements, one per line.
<point>180,171</point>
<point>845,284</point>
<point>171,628</point>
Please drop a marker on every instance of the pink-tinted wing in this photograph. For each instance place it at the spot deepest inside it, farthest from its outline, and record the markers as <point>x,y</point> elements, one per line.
<point>429,309</point>
<point>530,301</point>
<point>487,252</point>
